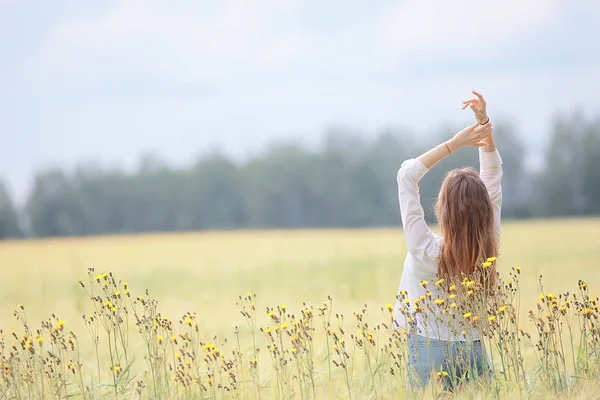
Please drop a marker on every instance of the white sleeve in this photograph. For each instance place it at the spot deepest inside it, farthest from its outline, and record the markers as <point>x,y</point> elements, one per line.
<point>420,240</point>
<point>491,174</point>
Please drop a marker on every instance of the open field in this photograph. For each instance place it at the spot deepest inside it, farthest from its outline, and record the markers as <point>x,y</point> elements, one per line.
<point>205,273</point>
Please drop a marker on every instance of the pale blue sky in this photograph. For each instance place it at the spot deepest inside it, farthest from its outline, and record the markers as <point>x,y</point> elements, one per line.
<point>107,80</point>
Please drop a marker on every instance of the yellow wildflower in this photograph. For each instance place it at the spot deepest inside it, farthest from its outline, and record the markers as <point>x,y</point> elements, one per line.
<point>491,318</point>
<point>467,315</point>
<point>502,309</point>
<point>586,312</point>
<point>491,259</point>
<point>452,288</point>
<point>486,264</point>
<point>424,283</point>
<point>439,282</point>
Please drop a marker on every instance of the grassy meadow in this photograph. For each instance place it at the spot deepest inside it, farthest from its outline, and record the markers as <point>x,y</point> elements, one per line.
<point>205,273</point>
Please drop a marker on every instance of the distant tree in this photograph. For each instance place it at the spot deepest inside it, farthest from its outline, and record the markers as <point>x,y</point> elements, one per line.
<point>52,207</point>
<point>590,168</point>
<point>9,218</point>
<point>348,181</point>
<point>562,182</point>
<point>213,195</point>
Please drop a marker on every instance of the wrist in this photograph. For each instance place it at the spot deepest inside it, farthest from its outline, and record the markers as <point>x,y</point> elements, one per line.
<point>484,120</point>
<point>452,145</point>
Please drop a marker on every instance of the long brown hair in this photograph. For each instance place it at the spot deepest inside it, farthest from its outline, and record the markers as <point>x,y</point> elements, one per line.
<point>465,214</point>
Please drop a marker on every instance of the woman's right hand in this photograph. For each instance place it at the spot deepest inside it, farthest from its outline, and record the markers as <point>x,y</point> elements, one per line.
<point>471,136</point>
<point>478,106</point>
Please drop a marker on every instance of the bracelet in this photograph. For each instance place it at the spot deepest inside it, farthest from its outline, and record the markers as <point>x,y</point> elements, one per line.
<point>488,120</point>
<point>446,143</point>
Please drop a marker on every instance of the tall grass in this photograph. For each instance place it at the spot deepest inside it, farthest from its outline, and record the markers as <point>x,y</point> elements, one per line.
<point>311,351</point>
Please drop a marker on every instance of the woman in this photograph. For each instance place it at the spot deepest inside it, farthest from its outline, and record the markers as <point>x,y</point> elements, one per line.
<point>468,212</point>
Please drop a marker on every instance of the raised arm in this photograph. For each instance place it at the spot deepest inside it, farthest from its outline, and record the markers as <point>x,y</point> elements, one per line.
<point>490,170</point>
<point>421,242</point>
<point>490,162</point>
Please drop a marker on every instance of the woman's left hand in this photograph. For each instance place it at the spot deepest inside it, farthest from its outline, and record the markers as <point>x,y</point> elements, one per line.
<point>478,105</point>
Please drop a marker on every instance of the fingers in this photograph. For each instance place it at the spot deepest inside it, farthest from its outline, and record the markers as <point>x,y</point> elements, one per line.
<point>479,96</point>
<point>473,103</point>
<point>480,128</point>
<point>483,130</point>
<point>474,126</point>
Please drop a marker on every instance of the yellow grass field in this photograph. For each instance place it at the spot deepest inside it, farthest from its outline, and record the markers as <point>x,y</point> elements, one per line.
<point>206,272</point>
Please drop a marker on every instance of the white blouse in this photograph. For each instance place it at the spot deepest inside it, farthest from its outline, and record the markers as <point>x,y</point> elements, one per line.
<point>423,245</point>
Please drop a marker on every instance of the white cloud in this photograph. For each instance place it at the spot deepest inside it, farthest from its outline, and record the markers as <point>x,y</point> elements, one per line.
<point>161,41</point>
<point>463,26</point>
<point>239,40</point>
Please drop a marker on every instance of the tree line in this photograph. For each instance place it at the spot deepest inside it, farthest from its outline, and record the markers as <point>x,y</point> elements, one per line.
<point>348,181</point>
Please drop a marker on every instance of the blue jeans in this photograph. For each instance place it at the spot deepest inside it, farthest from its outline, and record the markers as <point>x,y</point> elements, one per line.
<point>455,361</point>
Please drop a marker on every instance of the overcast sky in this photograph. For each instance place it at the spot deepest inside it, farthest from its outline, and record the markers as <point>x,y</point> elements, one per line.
<point>107,80</point>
